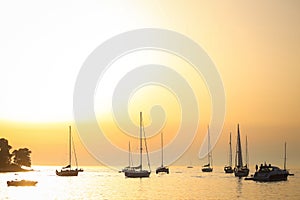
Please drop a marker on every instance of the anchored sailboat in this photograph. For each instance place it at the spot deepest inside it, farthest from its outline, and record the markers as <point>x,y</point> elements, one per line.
<point>162,168</point>
<point>208,167</point>
<point>240,170</point>
<point>129,160</point>
<point>138,172</point>
<point>228,168</point>
<point>67,170</point>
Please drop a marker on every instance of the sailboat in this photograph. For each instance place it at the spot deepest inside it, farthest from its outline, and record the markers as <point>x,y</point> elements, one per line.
<point>240,170</point>
<point>208,167</point>
<point>129,160</point>
<point>67,170</point>
<point>228,168</point>
<point>138,172</point>
<point>162,168</point>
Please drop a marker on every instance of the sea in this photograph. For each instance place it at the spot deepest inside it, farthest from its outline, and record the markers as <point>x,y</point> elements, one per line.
<point>99,182</point>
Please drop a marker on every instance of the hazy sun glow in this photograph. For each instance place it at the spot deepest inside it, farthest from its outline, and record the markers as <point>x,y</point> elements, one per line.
<point>148,96</point>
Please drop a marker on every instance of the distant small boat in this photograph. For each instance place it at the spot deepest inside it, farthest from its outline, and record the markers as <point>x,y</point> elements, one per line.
<point>162,168</point>
<point>240,170</point>
<point>138,172</point>
<point>21,183</point>
<point>269,172</point>
<point>67,170</point>
<point>228,168</point>
<point>190,166</point>
<point>208,167</point>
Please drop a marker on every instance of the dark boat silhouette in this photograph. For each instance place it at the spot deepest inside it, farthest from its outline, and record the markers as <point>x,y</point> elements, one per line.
<point>228,168</point>
<point>21,183</point>
<point>162,168</point>
<point>268,173</point>
<point>240,170</point>
<point>67,170</point>
<point>208,167</point>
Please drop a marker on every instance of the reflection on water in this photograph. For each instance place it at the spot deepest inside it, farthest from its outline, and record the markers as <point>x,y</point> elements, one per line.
<point>239,187</point>
<point>181,183</point>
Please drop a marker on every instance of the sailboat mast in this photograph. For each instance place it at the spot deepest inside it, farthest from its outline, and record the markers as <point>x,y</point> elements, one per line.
<point>284,164</point>
<point>208,146</point>
<point>247,159</point>
<point>141,148</point>
<point>236,153</point>
<point>129,154</point>
<point>230,151</point>
<point>70,146</point>
<point>162,151</point>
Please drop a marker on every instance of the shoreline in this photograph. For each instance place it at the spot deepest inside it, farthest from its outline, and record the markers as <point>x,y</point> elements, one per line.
<point>14,168</point>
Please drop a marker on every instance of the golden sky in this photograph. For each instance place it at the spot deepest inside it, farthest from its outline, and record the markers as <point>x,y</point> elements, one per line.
<point>254,45</point>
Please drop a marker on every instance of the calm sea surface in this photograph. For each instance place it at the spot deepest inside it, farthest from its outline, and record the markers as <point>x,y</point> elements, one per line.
<point>181,183</point>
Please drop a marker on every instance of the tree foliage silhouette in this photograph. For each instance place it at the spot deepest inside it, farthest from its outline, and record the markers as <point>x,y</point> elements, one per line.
<point>5,156</point>
<point>22,157</point>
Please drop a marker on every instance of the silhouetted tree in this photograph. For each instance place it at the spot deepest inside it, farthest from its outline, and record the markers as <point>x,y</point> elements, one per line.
<point>5,156</point>
<point>22,157</point>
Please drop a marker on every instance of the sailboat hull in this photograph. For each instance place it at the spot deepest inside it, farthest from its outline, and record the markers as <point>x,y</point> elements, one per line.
<point>228,169</point>
<point>207,169</point>
<point>67,173</point>
<point>137,174</point>
<point>241,172</point>
<point>162,170</point>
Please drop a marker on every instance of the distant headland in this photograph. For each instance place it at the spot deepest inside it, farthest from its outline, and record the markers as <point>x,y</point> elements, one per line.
<point>13,162</point>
